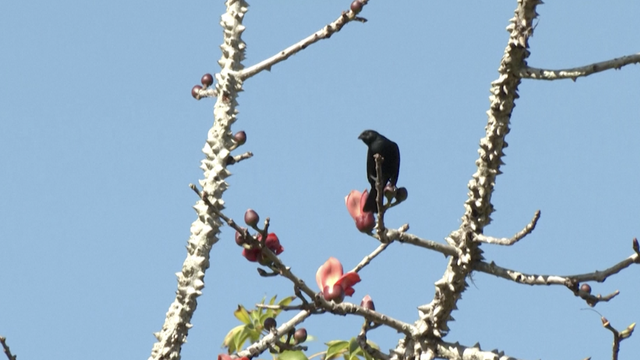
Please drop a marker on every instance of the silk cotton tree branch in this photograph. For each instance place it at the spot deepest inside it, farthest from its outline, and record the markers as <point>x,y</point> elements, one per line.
<point>205,229</point>
<point>575,73</point>
<point>478,208</point>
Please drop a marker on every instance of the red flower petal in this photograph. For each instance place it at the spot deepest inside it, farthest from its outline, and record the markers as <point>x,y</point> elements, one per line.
<point>329,273</point>
<point>347,281</point>
<point>353,201</point>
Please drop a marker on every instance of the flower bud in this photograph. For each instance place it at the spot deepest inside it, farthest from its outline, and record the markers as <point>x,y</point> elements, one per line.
<point>333,293</point>
<point>240,137</point>
<point>401,194</point>
<point>251,217</point>
<point>269,323</point>
<point>195,91</point>
<point>300,335</point>
<point>367,303</point>
<point>206,80</point>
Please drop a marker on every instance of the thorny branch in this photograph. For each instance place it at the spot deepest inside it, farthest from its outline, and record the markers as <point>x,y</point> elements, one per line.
<point>533,279</point>
<point>575,73</point>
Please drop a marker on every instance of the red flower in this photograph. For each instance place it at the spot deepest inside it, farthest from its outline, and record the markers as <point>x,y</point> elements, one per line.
<point>355,203</point>
<point>273,243</point>
<point>333,283</point>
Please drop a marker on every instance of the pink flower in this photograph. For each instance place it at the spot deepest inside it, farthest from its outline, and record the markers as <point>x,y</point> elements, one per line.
<point>333,283</point>
<point>355,205</point>
<point>273,243</point>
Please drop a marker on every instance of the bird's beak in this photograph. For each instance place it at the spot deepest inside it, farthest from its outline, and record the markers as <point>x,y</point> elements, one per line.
<point>361,137</point>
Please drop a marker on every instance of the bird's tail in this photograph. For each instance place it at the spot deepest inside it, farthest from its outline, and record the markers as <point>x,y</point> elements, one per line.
<point>370,205</point>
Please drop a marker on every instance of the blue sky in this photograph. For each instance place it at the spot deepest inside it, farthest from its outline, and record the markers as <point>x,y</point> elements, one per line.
<point>99,138</point>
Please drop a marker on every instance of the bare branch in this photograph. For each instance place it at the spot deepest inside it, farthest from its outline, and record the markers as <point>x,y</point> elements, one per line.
<point>364,345</point>
<point>367,259</point>
<point>206,92</point>
<point>321,34</point>
<point>370,315</point>
<point>7,351</point>
<point>404,237</point>
<point>380,229</point>
<point>574,73</point>
<point>618,336</point>
<point>236,159</point>
<point>567,280</point>
<point>517,237</point>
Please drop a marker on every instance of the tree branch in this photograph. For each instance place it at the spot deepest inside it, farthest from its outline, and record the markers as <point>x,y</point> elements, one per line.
<point>517,237</point>
<point>205,229</point>
<point>367,259</point>
<point>404,237</point>
<point>5,347</point>
<point>534,279</point>
<point>574,73</point>
<point>459,352</point>
<point>618,336</point>
<point>478,207</point>
<point>324,33</point>
<point>263,344</point>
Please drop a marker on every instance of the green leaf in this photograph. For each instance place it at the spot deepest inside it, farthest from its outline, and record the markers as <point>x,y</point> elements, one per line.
<point>292,355</point>
<point>336,348</point>
<point>242,315</point>
<point>284,302</point>
<point>273,300</point>
<point>353,346</point>
<point>229,337</point>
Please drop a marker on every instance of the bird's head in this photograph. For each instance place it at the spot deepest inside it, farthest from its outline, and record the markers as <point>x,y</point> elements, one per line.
<point>368,136</point>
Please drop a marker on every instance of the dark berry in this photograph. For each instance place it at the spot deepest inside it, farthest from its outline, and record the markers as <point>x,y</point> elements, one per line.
<point>585,288</point>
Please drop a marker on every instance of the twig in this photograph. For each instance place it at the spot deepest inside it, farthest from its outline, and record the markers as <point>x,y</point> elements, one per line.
<point>517,237</point>
<point>281,307</point>
<point>7,351</point>
<point>367,259</point>
<point>404,237</point>
<point>321,34</point>
<point>364,344</point>
<point>380,230</point>
<point>259,346</point>
<point>574,73</point>
<point>618,336</point>
<point>236,159</point>
<point>371,315</point>
<point>208,92</point>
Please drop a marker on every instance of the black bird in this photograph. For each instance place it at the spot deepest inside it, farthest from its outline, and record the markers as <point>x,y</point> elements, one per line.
<point>378,144</point>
